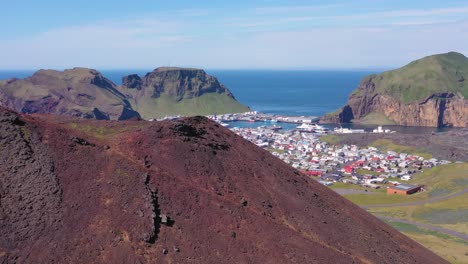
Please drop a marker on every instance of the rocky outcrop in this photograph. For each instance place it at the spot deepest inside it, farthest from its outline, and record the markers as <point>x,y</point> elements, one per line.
<point>77,92</point>
<point>30,194</point>
<point>132,81</point>
<point>177,83</point>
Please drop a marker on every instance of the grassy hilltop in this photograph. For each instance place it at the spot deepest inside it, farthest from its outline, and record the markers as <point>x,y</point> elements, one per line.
<point>421,78</point>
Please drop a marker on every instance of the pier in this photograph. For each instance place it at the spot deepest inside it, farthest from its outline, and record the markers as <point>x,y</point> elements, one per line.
<point>255,116</point>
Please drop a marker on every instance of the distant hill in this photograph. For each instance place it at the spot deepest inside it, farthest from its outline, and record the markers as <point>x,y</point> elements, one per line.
<point>169,91</point>
<point>86,93</point>
<point>431,91</point>
<point>77,92</point>
<point>184,191</point>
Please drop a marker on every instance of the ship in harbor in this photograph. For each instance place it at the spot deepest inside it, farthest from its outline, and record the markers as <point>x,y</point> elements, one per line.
<point>309,127</point>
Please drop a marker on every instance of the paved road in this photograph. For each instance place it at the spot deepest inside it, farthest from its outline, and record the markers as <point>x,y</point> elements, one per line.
<point>427,226</point>
<point>431,200</point>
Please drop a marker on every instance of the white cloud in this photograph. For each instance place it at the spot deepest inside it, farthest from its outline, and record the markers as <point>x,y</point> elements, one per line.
<point>217,42</point>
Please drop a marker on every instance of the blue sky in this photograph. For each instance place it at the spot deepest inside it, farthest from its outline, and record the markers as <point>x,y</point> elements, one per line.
<point>254,34</point>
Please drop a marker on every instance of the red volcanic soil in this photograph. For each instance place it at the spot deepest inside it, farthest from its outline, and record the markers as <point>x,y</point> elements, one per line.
<point>186,191</point>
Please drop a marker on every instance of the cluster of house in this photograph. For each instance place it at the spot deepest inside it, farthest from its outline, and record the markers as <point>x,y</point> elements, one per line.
<point>338,163</point>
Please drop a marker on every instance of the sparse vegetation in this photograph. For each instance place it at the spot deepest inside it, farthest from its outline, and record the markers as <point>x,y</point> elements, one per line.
<point>386,145</point>
<point>101,131</point>
<point>375,119</point>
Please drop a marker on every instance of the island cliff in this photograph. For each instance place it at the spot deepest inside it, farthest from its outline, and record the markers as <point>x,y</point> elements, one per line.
<point>86,93</point>
<point>432,92</point>
<point>185,91</point>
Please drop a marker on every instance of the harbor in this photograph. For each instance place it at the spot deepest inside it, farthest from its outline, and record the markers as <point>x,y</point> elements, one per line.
<point>308,124</point>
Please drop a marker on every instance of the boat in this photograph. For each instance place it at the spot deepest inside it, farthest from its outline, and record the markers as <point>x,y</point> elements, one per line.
<point>342,130</point>
<point>275,128</point>
<point>307,127</point>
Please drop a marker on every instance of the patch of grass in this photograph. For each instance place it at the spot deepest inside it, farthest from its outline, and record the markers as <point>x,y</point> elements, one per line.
<point>461,181</point>
<point>204,105</point>
<point>342,185</point>
<point>388,145</point>
<point>443,216</point>
<point>26,133</point>
<point>100,131</point>
<point>281,151</point>
<point>409,228</point>
<point>121,173</point>
<point>363,171</point>
<point>450,213</point>
<point>331,139</point>
<point>375,119</point>
<point>452,249</point>
<point>437,192</point>
<point>443,178</point>
<point>382,198</point>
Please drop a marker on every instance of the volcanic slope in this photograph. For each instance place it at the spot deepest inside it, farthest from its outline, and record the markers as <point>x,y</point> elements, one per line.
<point>185,191</point>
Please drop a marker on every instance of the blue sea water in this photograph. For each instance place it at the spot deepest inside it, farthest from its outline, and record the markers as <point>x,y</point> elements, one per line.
<point>309,93</point>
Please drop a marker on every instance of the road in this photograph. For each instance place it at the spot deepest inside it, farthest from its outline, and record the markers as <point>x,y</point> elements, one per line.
<point>431,200</point>
<point>427,226</point>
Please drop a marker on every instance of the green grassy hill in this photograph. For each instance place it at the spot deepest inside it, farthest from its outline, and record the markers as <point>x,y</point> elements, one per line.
<point>421,78</point>
<point>169,91</point>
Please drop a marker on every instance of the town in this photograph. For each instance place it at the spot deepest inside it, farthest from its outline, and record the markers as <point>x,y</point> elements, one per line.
<point>329,163</point>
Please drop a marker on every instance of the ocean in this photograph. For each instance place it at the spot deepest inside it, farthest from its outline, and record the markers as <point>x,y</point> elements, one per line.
<point>308,93</point>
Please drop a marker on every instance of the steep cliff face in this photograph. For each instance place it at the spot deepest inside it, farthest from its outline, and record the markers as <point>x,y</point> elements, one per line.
<point>428,92</point>
<point>172,91</point>
<point>77,92</point>
<point>88,94</point>
<point>185,191</point>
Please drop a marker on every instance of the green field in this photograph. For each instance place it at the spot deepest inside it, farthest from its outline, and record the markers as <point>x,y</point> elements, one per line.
<point>206,104</point>
<point>438,181</point>
<point>448,213</point>
<point>451,248</point>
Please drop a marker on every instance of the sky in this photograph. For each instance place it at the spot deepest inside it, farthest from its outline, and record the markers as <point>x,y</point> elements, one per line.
<point>241,34</point>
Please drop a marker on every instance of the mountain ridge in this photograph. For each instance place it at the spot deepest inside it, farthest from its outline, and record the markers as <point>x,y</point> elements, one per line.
<point>87,93</point>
